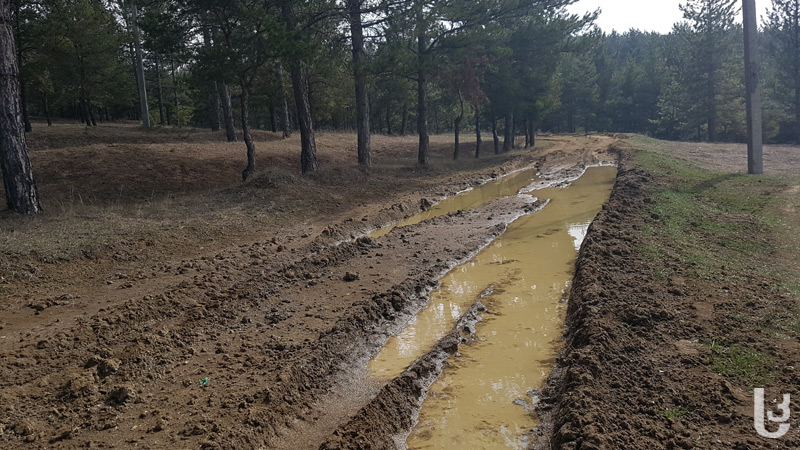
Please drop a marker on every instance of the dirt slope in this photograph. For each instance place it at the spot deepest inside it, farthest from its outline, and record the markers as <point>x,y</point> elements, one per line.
<point>677,312</point>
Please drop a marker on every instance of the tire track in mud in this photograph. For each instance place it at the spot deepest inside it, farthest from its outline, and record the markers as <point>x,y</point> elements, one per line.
<point>273,329</point>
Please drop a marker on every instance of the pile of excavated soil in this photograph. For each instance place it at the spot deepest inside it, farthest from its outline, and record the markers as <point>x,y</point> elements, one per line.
<point>636,371</point>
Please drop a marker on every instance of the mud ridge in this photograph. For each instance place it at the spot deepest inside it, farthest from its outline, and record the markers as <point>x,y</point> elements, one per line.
<point>349,229</point>
<point>606,244</point>
<point>385,422</point>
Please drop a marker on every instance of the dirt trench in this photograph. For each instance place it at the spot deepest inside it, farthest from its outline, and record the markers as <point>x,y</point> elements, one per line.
<point>258,347</point>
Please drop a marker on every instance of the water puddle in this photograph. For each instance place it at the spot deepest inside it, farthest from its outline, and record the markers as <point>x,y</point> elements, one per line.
<point>482,398</point>
<point>471,199</point>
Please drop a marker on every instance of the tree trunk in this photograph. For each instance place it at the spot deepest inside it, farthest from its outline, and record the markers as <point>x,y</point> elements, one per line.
<point>20,188</point>
<point>795,17</point>
<point>272,119</point>
<point>525,130</point>
<point>531,133</point>
<point>359,76</point>
<point>248,140</point>
<point>308,154</point>
<point>214,113</point>
<point>227,113</point>
<point>404,123</point>
<point>285,120</point>
<point>495,137</point>
<point>175,93</point>
<point>513,133</point>
<point>214,95</point>
<point>160,92</point>
<point>712,106</point>
<point>457,132</point>
<point>508,134</point>
<point>47,110</point>
<point>82,113</point>
<point>457,127</point>
<point>422,107</point>
<point>389,118</point>
<point>477,132</point>
<point>139,64</point>
<point>22,95</point>
<point>91,113</point>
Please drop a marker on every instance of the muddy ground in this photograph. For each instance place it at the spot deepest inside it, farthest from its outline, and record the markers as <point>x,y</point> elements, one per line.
<point>201,313</point>
<point>685,299</point>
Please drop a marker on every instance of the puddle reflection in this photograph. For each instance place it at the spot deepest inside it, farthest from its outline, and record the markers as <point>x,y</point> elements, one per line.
<point>480,399</point>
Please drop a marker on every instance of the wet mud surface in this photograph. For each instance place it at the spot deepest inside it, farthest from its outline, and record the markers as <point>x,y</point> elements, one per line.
<point>258,346</point>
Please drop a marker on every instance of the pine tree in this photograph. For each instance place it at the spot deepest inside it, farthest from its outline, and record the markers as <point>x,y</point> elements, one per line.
<point>783,48</point>
<point>20,188</point>
<point>711,48</point>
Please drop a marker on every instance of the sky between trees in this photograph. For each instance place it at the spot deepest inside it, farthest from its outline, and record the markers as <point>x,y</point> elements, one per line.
<point>644,15</point>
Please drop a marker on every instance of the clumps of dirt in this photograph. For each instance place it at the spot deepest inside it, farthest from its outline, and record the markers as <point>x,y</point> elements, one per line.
<point>385,421</point>
<point>40,305</point>
<point>637,370</point>
<point>419,202</point>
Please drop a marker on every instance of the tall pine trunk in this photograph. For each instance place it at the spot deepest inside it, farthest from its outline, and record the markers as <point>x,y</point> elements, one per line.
<point>508,133</point>
<point>214,102</point>
<point>160,92</point>
<point>531,133</point>
<point>22,93</point>
<point>422,103</point>
<point>308,153</point>
<point>248,140</point>
<point>227,112</point>
<point>457,127</point>
<point>91,113</point>
<point>175,94</point>
<point>525,130</point>
<point>47,109</point>
<point>712,104</point>
<point>286,123</point>
<point>495,137</point>
<point>404,123</point>
<point>21,193</point>
<point>139,65</point>
<point>214,94</point>
<point>477,132</point>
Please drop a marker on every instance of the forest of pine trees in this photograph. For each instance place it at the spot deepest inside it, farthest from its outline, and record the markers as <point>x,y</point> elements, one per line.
<point>398,67</point>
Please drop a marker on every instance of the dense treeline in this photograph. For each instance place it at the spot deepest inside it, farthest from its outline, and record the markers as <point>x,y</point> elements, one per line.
<point>526,62</point>
<point>507,68</point>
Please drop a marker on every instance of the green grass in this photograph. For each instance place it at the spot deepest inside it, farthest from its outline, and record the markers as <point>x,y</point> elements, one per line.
<point>674,412</point>
<point>723,228</point>
<point>742,363</point>
<point>707,219</point>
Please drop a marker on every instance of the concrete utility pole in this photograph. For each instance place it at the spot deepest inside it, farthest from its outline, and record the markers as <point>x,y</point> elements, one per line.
<point>755,137</point>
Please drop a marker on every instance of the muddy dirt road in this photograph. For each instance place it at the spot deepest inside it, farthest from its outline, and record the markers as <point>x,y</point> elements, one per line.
<point>258,345</point>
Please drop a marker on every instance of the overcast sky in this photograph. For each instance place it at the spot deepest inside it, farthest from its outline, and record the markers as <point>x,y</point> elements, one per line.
<point>646,15</point>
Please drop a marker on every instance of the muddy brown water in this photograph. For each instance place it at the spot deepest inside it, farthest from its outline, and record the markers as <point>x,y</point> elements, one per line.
<point>484,396</point>
<point>501,187</point>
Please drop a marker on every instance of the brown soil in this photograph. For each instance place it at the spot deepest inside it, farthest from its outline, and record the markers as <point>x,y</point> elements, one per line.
<point>638,366</point>
<point>160,303</point>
